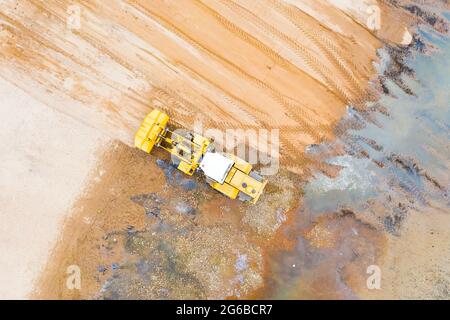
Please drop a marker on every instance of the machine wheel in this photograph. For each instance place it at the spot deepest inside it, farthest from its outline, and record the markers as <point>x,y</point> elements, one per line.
<point>211,148</point>
<point>255,175</point>
<point>244,197</point>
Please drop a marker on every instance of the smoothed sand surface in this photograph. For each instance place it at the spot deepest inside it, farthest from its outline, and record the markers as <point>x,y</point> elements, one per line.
<point>288,65</point>
<point>45,159</point>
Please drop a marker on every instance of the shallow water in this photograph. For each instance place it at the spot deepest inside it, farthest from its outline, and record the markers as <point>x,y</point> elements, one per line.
<point>417,128</point>
<point>395,161</point>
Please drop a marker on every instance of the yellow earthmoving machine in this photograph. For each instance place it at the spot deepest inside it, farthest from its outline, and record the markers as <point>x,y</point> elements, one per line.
<point>191,152</point>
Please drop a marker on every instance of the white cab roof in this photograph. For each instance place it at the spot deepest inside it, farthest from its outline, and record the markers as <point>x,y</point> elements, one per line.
<point>216,166</point>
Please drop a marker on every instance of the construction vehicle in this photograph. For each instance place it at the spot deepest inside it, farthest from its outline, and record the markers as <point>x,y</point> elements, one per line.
<point>191,152</point>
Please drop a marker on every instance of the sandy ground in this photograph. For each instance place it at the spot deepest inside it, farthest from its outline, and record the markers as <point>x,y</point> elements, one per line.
<point>45,159</point>
<point>309,59</point>
<point>419,271</point>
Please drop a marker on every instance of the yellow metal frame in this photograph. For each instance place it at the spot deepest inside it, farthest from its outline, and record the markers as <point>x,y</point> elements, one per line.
<point>150,131</point>
<point>189,152</point>
<point>239,180</point>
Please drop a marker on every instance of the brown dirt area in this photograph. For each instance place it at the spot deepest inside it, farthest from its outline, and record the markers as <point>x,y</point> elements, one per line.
<point>192,241</point>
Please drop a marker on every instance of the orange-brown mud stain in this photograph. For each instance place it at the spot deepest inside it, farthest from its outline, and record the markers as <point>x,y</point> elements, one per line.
<point>335,251</point>
<point>283,240</point>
